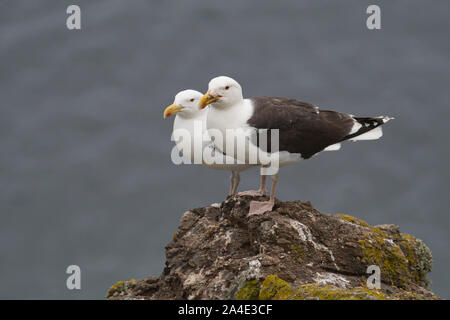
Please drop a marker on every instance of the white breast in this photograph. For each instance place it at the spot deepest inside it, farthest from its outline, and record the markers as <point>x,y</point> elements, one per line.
<point>182,125</point>
<point>236,117</point>
<point>191,126</point>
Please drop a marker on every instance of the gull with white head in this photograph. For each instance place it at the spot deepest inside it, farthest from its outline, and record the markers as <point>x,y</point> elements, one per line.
<point>303,129</point>
<point>188,118</point>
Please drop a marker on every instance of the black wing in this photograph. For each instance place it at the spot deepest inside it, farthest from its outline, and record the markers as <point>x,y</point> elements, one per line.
<point>302,129</point>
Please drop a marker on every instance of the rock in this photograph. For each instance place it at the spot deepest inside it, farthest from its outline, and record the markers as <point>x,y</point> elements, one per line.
<point>293,252</point>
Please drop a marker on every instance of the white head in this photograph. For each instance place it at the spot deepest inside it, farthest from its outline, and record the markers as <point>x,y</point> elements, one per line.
<point>222,92</point>
<point>185,105</point>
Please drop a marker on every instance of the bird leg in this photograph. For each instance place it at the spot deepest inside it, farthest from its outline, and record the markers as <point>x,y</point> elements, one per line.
<point>234,182</point>
<point>256,193</point>
<point>259,207</point>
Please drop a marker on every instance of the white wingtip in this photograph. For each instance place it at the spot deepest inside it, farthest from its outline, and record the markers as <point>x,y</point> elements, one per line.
<point>374,134</point>
<point>386,119</point>
<point>333,147</point>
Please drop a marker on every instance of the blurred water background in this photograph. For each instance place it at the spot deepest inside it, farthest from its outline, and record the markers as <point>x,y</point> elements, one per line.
<point>85,170</point>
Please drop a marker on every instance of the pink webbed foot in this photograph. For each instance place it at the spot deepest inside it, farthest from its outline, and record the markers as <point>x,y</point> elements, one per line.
<point>259,207</point>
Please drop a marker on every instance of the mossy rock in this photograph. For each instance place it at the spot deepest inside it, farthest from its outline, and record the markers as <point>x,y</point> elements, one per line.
<point>353,220</point>
<point>275,288</point>
<point>402,260</point>
<point>120,288</point>
<point>378,249</point>
<point>295,252</point>
<point>249,291</point>
<point>298,252</point>
<point>419,257</point>
<point>401,257</point>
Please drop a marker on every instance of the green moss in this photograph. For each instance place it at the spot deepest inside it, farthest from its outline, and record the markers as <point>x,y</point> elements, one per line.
<point>354,220</point>
<point>315,291</point>
<point>120,288</point>
<point>275,288</point>
<point>419,257</point>
<point>250,291</point>
<point>327,292</point>
<point>298,253</point>
<point>401,258</point>
<point>406,295</point>
<point>388,256</point>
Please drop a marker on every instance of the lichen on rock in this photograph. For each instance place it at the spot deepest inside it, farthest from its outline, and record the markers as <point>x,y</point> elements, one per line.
<point>294,252</point>
<point>249,291</point>
<point>378,250</point>
<point>120,288</point>
<point>274,288</point>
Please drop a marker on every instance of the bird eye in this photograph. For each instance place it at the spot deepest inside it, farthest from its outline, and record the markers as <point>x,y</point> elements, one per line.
<point>192,100</point>
<point>227,87</point>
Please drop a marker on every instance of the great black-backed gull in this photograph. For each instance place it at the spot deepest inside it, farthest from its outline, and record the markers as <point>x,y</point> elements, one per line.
<point>304,130</point>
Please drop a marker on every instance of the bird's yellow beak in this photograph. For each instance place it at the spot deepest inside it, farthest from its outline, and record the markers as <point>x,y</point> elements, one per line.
<point>207,99</point>
<point>172,109</point>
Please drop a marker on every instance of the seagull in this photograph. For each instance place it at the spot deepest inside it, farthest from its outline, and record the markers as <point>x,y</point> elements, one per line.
<point>188,115</point>
<point>304,130</point>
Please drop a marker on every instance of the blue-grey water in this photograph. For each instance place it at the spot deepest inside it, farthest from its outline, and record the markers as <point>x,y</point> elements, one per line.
<point>85,170</point>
